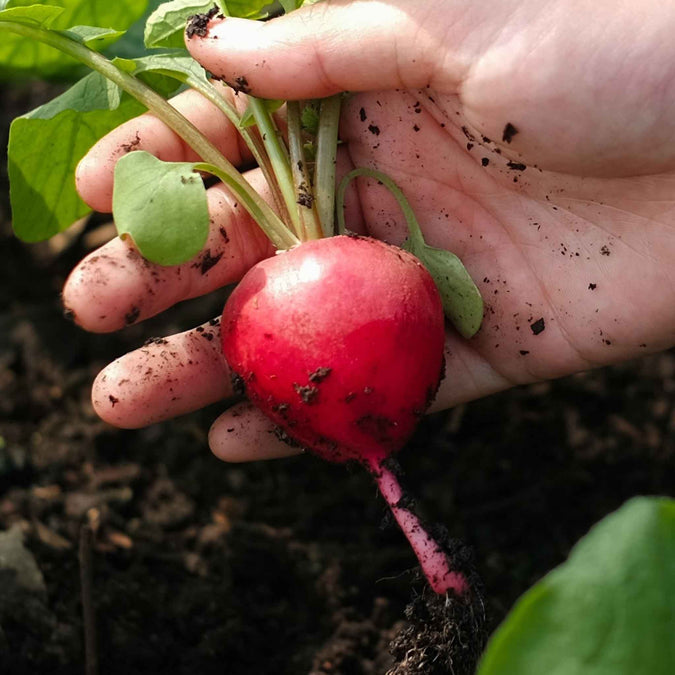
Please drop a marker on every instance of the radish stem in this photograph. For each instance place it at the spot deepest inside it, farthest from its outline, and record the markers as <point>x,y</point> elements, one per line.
<point>305,196</point>
<point>414,229</point>
<point>432,558</point>
<point>279,159</point>
<point>326,159</point>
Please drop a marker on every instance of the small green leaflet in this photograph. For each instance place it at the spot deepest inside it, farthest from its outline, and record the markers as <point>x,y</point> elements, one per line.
<point>161,206</point>
<point>462,301</point>
<point>609,610</point>
<point>20,57</point>
<point>45,146</point>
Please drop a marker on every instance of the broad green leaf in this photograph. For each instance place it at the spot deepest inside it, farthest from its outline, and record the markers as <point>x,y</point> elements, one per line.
<point>21,57</point>
<point>171,65</point>
<point>249,9</point>
<point>93,37</point>
<point>166,25</point>
<point>161,206</point>
<point>462,301</point>
<point>45,146</point>
<point>131,44</point>
<point>609,610</point>
<point>39,16</point>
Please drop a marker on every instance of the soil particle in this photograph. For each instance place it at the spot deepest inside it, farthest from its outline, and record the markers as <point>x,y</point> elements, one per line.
<point>320,374</point>
<point>223,234</point>
<point>132,315</point>
<point>484,161</point>
<point>305,196</point>
<point>509,132</point>
<point>592,287</point>
<point>199,23</point>
<point>374,129</point>
<point>133,144</point>
<point>538,326</point>
<point>307,393</point>
<point>516,166</point>
<point>238,384</point>
<point>284,437</point>
<point>377,426</point>
<point>113,400</point>
<point>156,341</point>
<point>605,250</point>
<point>362,115</point>
<point>207,261</point>
<point>241,85</point>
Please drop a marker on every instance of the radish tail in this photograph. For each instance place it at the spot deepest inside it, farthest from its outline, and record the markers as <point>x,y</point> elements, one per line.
<point>432,557</point>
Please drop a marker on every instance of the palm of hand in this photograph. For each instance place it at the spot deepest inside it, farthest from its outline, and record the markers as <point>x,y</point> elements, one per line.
<point>575,271</point>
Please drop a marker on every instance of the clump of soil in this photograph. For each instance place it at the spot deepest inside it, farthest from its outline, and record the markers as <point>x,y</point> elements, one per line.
<point>443,635</point>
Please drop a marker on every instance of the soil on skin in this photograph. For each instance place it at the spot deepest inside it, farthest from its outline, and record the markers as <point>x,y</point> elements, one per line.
<point>288,567</point>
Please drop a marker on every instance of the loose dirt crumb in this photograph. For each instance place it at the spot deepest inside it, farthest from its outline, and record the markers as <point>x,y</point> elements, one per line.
<point>199,23</point>
<point>538,326</point>
<point>509,132</point>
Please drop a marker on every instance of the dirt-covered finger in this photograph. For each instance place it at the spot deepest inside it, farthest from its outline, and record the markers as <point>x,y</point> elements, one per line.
<point>94,176</point>
<point>165,378</point>
<point>244,434</point>
<point>322,49</point>
<point>115,287</point>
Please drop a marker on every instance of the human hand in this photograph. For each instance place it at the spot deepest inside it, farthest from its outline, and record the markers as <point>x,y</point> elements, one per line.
<point>563,218</point>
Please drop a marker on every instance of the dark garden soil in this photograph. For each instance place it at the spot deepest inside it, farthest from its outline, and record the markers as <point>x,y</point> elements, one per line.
<point>288,567</point>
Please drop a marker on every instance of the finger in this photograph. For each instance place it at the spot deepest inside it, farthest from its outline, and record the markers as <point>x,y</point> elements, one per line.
<point>115,287</point>
<point>94,175</point>
<point>244,434</point>
<point>164,378</point>
<point>323,49</point>
<point>468,376</point>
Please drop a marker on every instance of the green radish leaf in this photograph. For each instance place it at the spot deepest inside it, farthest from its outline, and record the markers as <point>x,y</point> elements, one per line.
<point>249,9</point>
<point>462,301</point>
<point>271,104</point>
<point>162,71</point>
<point>21,57</point>
<point>290,5</point>
<point>131,45</point>
<point>45,146</point>
<point>93,37</point>
<point>166,25</point>
<point>161,206</point>
<point>39,16</point>
<point>609,610</point>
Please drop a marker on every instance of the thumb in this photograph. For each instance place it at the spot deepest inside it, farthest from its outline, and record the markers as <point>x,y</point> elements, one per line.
<point>320,50</point>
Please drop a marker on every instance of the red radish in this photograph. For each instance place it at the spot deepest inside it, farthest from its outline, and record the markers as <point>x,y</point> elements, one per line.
<point>339,341</point>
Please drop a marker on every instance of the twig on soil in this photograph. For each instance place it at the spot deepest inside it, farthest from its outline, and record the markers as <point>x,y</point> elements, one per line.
<point>87,533</point>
